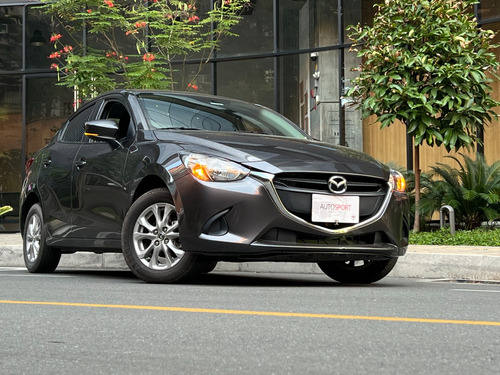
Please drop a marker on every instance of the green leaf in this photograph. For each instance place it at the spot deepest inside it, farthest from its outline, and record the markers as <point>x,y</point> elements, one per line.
<point>5,209</point>
<point>426,119</point>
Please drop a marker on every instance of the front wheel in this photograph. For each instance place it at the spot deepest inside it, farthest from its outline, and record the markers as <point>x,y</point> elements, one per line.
<point>38,256</point>
<point>151,243</point>
<point>358,271</point>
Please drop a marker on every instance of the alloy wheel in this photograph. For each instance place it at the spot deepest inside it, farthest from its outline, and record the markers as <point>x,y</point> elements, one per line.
<point>33,237</point>
<point>156,237</point>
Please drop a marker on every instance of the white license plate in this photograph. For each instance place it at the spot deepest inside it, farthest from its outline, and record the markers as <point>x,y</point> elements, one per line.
<point>335,209</point>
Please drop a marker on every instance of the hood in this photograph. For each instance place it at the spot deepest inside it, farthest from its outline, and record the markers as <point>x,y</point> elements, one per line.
<point>274,154</point>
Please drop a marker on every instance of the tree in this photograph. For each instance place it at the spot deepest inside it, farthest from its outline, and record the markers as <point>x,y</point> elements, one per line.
<point>135,42</point>
<point>427,65</point>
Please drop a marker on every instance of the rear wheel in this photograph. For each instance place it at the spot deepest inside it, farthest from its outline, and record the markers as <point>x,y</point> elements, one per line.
<point>151,243</point>
<point>358,271</point>
<point>38,256</point>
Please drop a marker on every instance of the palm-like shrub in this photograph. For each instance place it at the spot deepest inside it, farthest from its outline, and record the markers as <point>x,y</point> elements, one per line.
<point>472,189</point>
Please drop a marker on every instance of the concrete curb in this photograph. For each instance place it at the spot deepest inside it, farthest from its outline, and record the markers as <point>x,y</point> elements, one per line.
<point>467,263</point>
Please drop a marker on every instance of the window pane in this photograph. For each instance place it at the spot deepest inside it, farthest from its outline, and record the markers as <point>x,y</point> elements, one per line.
<point>352,14</point>
<point>38,46</point>
<point>192,77</point>
<point>255,32</point>
<point>317,98</point>
<point>250,80</point>
<point>308,24</point>
<point>11,37</point>
<point>11,161</point>
<point>324,94</point>
<point>292,96</point>
<point>489,9</point>
<point>47,107</point>
<point>353,119</point>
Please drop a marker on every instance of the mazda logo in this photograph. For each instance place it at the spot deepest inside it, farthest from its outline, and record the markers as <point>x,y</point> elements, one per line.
<point>337,184</point>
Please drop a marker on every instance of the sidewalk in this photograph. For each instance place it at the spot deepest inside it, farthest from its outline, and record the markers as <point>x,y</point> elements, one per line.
<point>436,262</point>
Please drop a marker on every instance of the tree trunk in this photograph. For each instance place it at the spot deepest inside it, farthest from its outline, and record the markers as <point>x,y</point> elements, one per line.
<point>416,224</point>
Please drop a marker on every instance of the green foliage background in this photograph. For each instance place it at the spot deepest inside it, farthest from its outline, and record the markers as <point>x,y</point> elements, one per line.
<point>427,64</point>
<point>477,237</point>
<point>136,40</point>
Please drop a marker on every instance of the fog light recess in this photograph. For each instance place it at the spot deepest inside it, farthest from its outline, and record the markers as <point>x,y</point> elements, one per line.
<point>216,225</point>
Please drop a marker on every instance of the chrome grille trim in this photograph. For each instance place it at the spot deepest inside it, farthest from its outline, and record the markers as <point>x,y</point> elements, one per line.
<point>267,180</point>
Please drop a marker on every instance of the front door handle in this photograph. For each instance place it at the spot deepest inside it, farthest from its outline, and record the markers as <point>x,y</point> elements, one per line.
<point>81,163</point>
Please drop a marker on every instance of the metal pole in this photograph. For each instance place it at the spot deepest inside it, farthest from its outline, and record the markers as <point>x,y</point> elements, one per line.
<point>340,22</point>
<point>276,80</point>
<point>213,65</point>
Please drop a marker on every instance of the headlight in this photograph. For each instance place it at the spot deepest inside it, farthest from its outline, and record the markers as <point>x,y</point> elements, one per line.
<point>397,181</point>
<point>211,168</point>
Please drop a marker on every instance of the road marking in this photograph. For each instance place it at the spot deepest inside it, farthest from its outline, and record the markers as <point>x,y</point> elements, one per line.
<point>259,313</point>
<point>6,269</point>
<point>477,290</point>
<point>7,272</point>
<point>31,275</point>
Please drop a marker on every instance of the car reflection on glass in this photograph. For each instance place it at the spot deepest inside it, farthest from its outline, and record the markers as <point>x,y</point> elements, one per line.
<point>178,182</point>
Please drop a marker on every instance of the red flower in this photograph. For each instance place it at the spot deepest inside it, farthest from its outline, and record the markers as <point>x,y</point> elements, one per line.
<point>54,66</point>
<point>148,56</point>
<point>109,3</point>
<point>89,11</point>
<point>55,37</point>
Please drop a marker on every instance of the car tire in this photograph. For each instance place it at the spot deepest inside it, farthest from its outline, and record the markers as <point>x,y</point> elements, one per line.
<point>358,271</point>
<point>151,242</point>
<point>38,256</point>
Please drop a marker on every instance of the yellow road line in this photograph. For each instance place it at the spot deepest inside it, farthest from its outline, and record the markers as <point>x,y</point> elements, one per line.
<point>261,313</point>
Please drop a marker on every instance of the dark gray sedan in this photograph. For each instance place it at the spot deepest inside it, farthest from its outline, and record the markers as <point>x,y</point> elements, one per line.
<point>180,181</point>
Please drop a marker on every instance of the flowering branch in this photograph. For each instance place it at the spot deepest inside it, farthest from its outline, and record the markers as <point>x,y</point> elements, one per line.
<point>139,40</point>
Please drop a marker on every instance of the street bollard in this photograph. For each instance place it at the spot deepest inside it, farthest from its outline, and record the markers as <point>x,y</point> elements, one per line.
<point>451,215</point>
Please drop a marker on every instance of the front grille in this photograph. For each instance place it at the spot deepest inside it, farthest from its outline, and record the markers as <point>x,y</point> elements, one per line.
<point>318,183</point>
<point>295,191</point>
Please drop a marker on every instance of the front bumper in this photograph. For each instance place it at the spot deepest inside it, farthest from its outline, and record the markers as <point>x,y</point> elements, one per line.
<point>246,220</point>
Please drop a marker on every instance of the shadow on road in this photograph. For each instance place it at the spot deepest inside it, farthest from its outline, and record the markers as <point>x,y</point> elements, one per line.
<point>245,279</point>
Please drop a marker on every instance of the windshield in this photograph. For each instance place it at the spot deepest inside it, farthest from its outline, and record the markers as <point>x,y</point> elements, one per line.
<point>178,111</point>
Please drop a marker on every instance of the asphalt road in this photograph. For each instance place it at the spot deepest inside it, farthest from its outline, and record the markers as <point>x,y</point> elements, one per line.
<point>108,322</point>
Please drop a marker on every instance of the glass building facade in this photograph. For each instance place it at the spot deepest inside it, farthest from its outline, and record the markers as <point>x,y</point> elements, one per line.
<point>290,55</point>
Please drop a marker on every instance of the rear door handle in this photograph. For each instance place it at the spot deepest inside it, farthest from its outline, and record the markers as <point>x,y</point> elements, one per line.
<point>81,163</point>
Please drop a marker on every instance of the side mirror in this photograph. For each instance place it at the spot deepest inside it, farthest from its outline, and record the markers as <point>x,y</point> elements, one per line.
<point>103,130</point>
